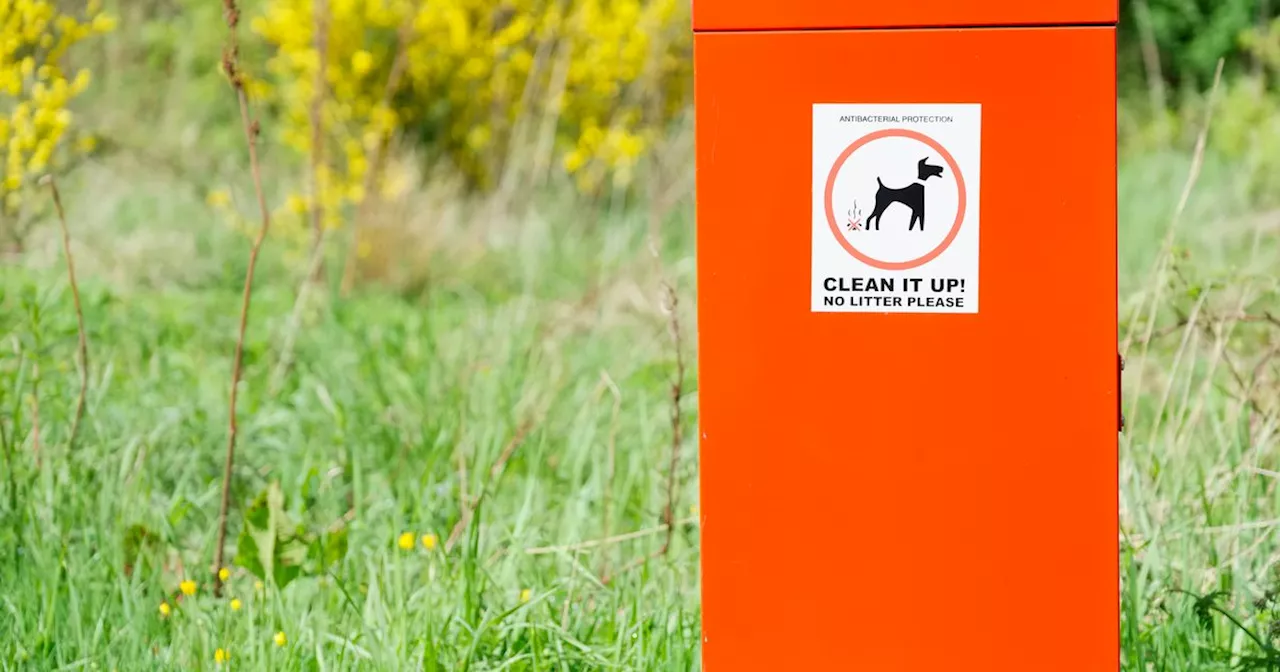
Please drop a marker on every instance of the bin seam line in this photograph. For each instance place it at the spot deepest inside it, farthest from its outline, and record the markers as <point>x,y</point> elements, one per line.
<point>938,27</point>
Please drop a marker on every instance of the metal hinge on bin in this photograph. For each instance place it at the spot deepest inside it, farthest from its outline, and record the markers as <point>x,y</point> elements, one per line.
<point>1119,381</point>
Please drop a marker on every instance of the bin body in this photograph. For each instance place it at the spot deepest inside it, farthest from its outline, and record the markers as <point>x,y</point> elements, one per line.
<point>925,487</point>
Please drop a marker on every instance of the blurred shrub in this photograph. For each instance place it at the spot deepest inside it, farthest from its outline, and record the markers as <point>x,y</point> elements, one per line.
<point>1246,121</point>
<point>1191,35</point>
<point>35,92</point>
<point>593,82</point>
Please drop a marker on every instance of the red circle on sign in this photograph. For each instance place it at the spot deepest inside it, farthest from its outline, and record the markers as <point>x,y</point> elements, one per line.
<point>960,207</point>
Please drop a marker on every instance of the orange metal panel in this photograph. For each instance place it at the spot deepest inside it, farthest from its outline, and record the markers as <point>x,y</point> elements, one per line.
<point>910,492</point>
<point>798,14</point>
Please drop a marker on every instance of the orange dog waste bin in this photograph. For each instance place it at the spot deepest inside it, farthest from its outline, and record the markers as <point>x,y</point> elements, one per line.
<point>907,325</point>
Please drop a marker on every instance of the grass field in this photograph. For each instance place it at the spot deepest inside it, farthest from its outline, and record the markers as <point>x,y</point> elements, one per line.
<point>544,340</point>
<point>468,464</point>
<point>1198,462</point>
<point>542,348</point>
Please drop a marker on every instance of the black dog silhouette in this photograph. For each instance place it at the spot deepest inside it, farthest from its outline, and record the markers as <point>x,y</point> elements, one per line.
<point>911,196</point>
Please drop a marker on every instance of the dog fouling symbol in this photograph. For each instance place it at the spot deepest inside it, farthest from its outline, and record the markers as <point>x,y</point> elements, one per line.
<point>855,218</point>
<point>915,191</point>
<point>912,196</point>
<point>895,208</point>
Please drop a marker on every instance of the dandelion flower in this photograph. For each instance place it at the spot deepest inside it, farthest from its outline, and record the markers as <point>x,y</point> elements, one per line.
<point>221,656</point>
<point>429,542</point>
<point>224,574</point>
<point>188,587</point>
<point>236,604</point>
<point>406,541</point>
<point>280,639</point>
<point>165,609</point>
<point>526,595</point>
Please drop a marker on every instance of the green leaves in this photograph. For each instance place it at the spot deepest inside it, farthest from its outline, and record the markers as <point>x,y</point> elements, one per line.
<point>274,548</point>
<point>268,545</point>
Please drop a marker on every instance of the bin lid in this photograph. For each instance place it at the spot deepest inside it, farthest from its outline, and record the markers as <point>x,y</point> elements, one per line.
<point>853,14</point>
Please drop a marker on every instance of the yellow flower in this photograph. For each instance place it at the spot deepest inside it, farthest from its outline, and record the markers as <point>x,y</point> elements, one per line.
<point>296,204</point>
<point>611,49</point>
<point>429,542</point>
<point>280,639</point>
<point>361,62</point>
<point>257,585</point>
<point>573,161</point>
<point>218,198</point>
<point>406,541</point>
<point>526,595</point>
<point>221,656</point>
<point>87,143</point>
<point>224,574</point>
<point>235,605</point>
<point>103,23</point>
<point>356,193</point>
<point>81,82</point>
<point>188,587</point>
<point>165,610</point>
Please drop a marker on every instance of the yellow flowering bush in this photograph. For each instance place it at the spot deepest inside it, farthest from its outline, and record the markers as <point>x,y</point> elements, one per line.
<point>607,74</point>
<point>34,90</point>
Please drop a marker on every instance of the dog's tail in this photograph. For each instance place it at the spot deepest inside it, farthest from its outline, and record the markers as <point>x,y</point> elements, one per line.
<point>880,183</point>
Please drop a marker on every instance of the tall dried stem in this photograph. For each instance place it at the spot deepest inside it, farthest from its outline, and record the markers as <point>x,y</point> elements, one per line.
<point>230,64</point>
<point>677,434</point>
<point>75,297</point>
<point>1160,272</point>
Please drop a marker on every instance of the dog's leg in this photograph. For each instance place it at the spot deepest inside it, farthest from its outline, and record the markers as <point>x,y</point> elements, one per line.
<point>875,214</point>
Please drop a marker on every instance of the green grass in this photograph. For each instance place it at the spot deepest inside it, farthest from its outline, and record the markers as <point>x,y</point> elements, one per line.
<point>1199,461</point>
<point>553,337</point>
<point>546,330</point>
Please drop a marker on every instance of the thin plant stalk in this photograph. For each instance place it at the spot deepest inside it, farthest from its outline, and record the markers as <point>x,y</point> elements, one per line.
<point>1166,250</point>
<point>75,297</point>
<point>677,434</point>
<point>230,65</point>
